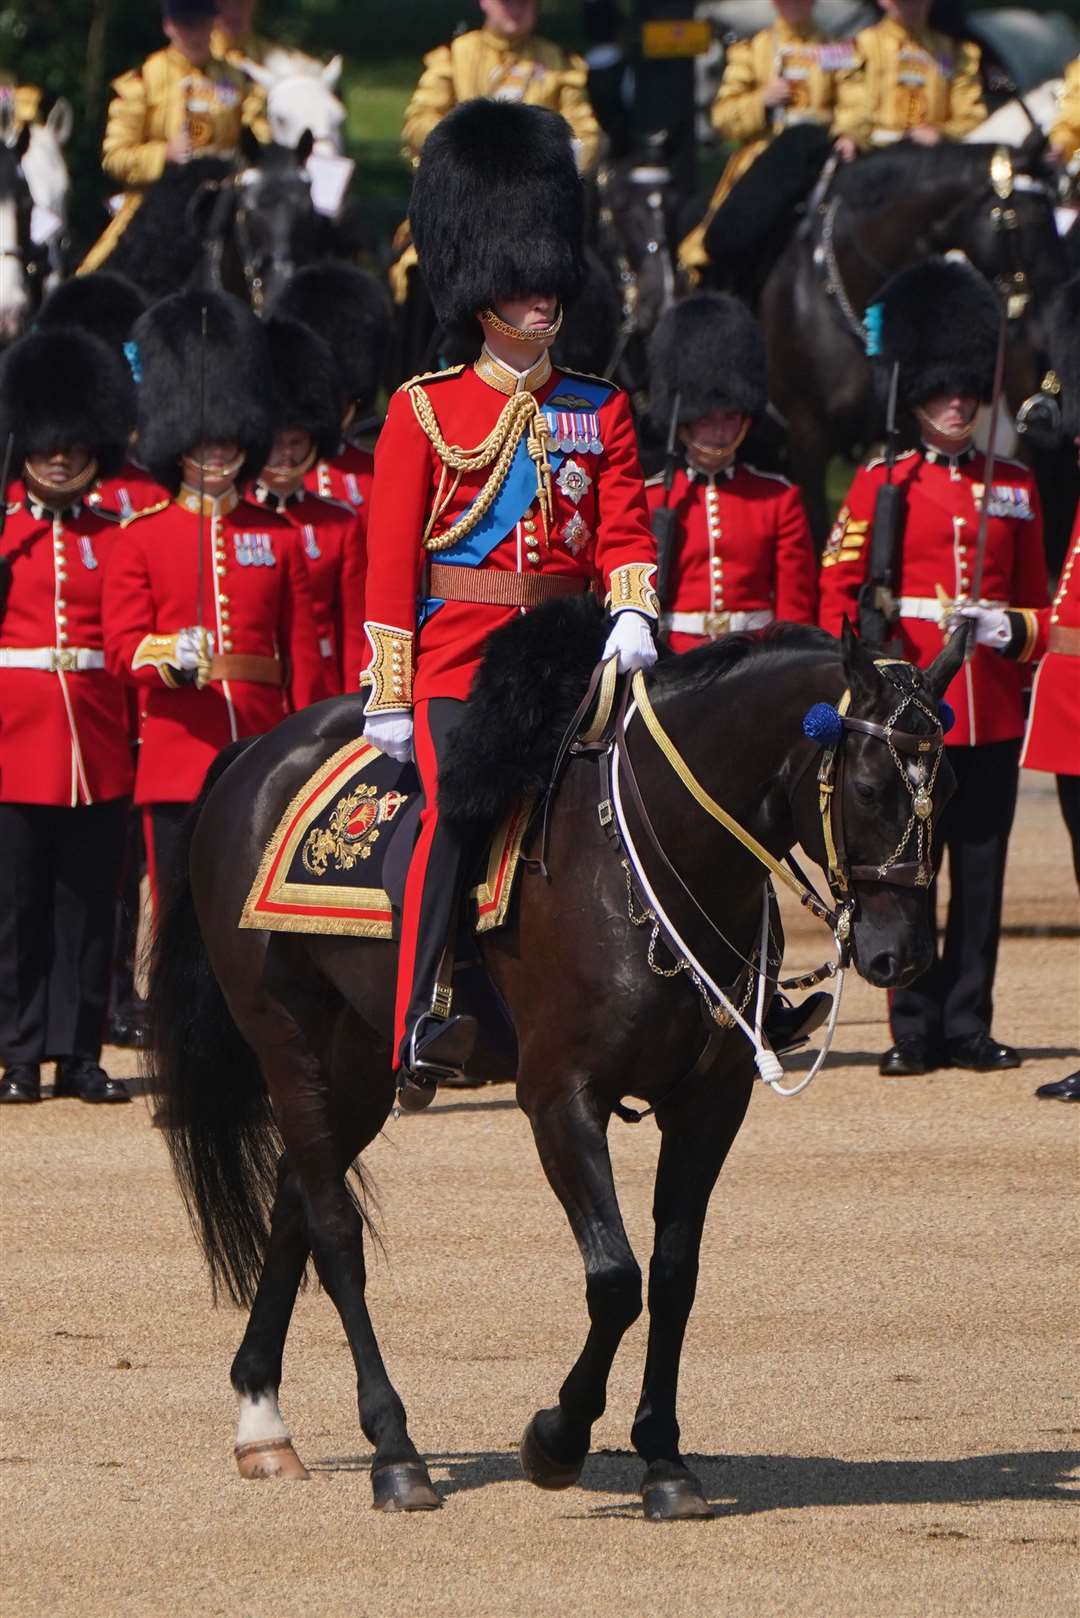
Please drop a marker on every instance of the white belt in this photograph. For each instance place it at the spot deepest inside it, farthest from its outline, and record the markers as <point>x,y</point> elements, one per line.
<point>52,659</point>
<point>934,612</point>
<point>716,623</point>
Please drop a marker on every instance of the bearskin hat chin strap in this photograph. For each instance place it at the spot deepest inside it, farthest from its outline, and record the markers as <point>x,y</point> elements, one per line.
<point>60,494</point>
<point>956,435</point>
<point>229,470</point>
<point>707,458</point>
<point>519,334</point>
<point>284,479</point>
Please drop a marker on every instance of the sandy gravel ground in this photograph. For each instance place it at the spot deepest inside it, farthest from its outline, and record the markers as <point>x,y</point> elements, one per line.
<point>879,1382</point>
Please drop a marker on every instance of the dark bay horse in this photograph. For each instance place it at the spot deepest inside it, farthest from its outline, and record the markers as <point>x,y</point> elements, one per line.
<point>271,1052</point>
<point>880,214</point>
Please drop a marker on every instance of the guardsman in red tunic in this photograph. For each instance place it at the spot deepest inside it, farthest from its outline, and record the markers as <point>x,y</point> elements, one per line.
<point>107,305</point>
<point>939,323</point>
<point>351,312</point>
<point>498,486</point>
<point>741,552</point>
<point>307,424</point>
<point>207,600</point>
<point>67,408</point>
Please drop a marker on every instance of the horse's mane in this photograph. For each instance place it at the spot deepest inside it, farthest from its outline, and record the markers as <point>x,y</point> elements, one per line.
<point>772,649</point>
<point>880,178</point>
<point>159,249</point>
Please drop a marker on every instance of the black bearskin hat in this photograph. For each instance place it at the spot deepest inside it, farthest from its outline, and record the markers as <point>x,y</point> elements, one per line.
<point>710,351</point>
<point>188,10</point>
<point>65,387</point>
<point>496,209</point>
<point>104,303</point>
<point>306,391</point>
<point>238,382</point>
<point>1065,354</point>
<point>352,313</point>
<point>940,322</point>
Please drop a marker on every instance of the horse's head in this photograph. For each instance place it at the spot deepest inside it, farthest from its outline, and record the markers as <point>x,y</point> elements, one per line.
<point>869,817</point>
<point>637,233</point>
<point>300,99</point>
<point>275,226</point>
<point>18,260</point>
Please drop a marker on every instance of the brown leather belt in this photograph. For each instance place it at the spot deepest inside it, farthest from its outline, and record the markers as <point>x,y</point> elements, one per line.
<point>1064,638</point>
<point>489,587</point>
<point>247,666</point>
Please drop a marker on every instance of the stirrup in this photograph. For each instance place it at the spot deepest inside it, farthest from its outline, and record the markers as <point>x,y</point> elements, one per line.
<point>789,1027</point>
<point>438,1048</point>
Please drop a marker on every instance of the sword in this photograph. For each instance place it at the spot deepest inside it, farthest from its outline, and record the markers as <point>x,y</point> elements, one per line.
<point>988,472</point>
<point>202,671</point>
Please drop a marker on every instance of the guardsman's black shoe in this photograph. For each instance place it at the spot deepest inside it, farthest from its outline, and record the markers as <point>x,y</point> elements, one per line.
<point>437,1048</point>
<point>80,1080</point>
<point>1066,1089</point>
<point>982,1054</point>
<point>21,1083</point>
<point>908,1057</point>
<point>787,1026</point>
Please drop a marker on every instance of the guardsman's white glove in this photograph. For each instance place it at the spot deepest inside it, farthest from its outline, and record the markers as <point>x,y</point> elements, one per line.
<point>631,640</point>
<point>193,646</point>
<point>392,734</point>
<point>992,627</point>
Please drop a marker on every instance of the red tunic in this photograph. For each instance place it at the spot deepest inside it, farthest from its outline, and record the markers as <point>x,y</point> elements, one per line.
<point>347,476</point>
<point>131,490</point>
<point>63,731</point>
<point>1053,733</point>
<point>938,549</point>
<point>256,601</point>
<point>599,520</point>
<point>332,540</point>
<point>744,546</point>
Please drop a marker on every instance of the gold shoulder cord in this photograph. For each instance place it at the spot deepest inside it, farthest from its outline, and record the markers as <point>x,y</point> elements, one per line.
<point>520,415</point>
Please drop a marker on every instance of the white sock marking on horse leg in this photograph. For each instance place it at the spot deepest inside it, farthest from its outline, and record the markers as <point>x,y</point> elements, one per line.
<point>259,1418</point>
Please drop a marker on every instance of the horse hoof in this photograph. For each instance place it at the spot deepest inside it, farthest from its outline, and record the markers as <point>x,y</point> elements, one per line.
<point>270,1458</point>
<point>403,1486</point>
<point>675,1498</point>
<point>538,1466</point>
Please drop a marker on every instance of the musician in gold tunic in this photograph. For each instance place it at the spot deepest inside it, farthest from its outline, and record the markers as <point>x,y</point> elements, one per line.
<point>908,82</point>
<point>181,103</point>
<point>1065,130</point>
<point>26,97</point>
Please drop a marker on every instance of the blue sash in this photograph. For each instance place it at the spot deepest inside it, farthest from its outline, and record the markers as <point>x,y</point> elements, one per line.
<point>519,486</point>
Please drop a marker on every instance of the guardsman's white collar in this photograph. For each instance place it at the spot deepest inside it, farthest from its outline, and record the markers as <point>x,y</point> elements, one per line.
<point>211,505</point>
<point>950,458</point>
<point>44,513</point>
<point>693,473</point>
<point>278,502</point>
<point>505,379</point>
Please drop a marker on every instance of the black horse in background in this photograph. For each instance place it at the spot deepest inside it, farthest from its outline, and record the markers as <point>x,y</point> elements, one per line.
<point>235,227</point>
<point>878,215</point>
<point>272,1051</point>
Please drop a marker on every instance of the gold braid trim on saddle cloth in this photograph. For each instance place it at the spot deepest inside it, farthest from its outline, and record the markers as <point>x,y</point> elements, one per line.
<point>520,415</point>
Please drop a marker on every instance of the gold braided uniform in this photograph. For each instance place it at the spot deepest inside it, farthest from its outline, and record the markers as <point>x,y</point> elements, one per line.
<point>151,104</point>
<point>256,49</point>
<point>901,80</point>
<point>482,63</point>
<point>1065,133</point>
<point>739,113</point>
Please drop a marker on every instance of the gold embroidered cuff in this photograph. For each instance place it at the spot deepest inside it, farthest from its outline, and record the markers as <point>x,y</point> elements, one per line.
<point>389,675</point>
<point>632,589</point>
<point>159,652</point>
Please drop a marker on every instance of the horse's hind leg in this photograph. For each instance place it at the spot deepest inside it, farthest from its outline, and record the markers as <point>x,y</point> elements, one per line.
<point>695,1141</point>
<point>572,1143</point>
<point>263,1446</point>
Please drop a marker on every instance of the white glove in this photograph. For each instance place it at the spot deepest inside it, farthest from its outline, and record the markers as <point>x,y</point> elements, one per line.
<point>392,734</point>
<point>193,646</point>
<point>631,640</point>
<point>992,627</point>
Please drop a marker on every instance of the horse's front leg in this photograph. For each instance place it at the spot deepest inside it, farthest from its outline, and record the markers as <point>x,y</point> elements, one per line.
<point>572,1142</point>
<point>695,1142</point>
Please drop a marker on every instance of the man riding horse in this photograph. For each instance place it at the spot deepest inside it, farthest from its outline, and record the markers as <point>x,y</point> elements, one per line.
<point>481,532</point>
<point>182,103</point>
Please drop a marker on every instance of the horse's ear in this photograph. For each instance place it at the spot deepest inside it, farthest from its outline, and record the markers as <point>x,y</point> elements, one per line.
<point>304,148</point>
<point>862,677</point>
<point>949,661</point>
<point>251,147</point>
<point>260,75</point>
<point>331,73</point>
<point>60,121</point>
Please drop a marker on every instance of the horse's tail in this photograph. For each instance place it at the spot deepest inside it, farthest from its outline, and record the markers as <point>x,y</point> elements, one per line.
<point>212,1099</point>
